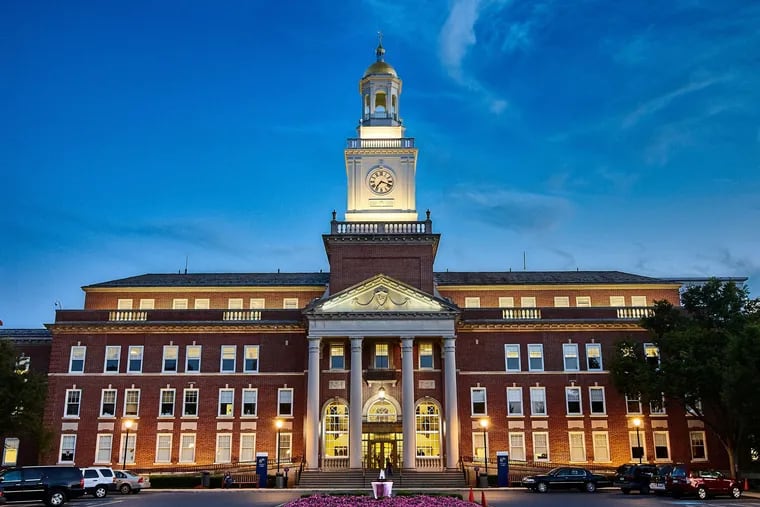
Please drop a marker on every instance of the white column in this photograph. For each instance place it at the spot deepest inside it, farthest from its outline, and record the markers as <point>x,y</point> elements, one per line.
<point>450,410</point>
<point>407,403</point>
<point>355,405</point>
<point>312,406</point>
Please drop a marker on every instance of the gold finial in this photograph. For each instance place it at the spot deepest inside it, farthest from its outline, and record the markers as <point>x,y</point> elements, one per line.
<point>380,51</point>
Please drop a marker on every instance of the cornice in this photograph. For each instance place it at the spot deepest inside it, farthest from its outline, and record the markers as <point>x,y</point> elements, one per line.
<point>380,151</point>
<point>494,327</point>
<point>162,328</point>
<point>564,286</point>
<point>210,288</point>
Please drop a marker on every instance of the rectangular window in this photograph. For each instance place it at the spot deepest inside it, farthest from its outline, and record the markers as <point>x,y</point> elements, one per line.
<point>657,407</point>
<point>171,353</point>
<point>190,403</point>
<point>382,359</point>
<point>164,448</point>
<point>135,359</point>
<point>617,301</point>
<point>103,449</point>
<point>166,409</point>
<point>633,404</point>
<point>108,403</point>
<point>226,402</point>
<point>661,445</point>
<point>248,447</point>
<point>506,302</point>
<point>596,400</point>
<point>187,448</point>
<point>223,447</point>
<point>113,354</point>
<point>179,304</point>
<point>290,303</point>
<point>251,359</point>
<point>202,304</point>
<point>10,451</point>
<point>284,447</point>
<point>73,399</point>
<point>652,354</point>
<point>228,359</point>
<point>535,357</point>
<point>637,439</point>
<point>76,363</point>
<point>573,399</point>
<point>479,441</point>
<point>594,356</point>
<point>697,444</point>
<point>123,304</point>
<point>528,302</point>
<point>541,446</point>
<point>285,402</point>
<point>478,401</point>
<point>257,303</point>
<point>472,302</point>
<point>426,355</point>
<point>67,449</point>
<point>583,301</point>
<point>192,358</point>
<point>132,402</point>
<point>561,302</point>
<point>638,301</point>
<point>570,356</point>
<point>337,357</point>
<point>577,446</point>
<point>601,446</point>
<point>147,304</point>
<point>514,401</point>
<point>128,447</point>
<point>538,401</point>
<point>250,401</point>
<point>512,357</point>
<point>517,446</point>
<point>235,304</point>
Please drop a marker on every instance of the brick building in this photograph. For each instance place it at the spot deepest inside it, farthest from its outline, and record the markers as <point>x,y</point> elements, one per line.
<point>380,359</point>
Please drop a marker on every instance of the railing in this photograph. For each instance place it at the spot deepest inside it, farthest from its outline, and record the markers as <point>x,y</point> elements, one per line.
<point>551,313</point>
<point>127,315</point>
<point>429,463</point>
<point>635,312</point>
<point>356,143</point>
<point>241,315</point>
<point>421,227</point>
<point>521,313</point>
<point>330,463</point>
<point>165,315</point>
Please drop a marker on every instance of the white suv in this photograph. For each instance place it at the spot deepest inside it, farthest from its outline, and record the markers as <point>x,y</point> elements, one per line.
<point>98,481</point>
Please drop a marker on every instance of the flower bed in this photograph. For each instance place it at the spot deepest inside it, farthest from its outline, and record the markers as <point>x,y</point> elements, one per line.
<point>366,501</point>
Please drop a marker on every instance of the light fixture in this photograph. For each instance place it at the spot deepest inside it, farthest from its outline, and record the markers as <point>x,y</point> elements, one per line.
<point>278,423</point>
<point>381,393</point>
<point>639,450</point>
<point>127,424</point>
<point>484,425</point>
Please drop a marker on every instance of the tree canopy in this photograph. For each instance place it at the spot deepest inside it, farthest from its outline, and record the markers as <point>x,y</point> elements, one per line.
<point>706,361</point>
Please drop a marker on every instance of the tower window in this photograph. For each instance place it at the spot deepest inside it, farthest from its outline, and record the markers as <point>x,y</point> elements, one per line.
<point>380,102</point>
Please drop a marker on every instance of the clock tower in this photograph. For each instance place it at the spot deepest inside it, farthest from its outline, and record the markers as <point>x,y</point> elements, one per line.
<point>382,233</point>
<point>380,162</point>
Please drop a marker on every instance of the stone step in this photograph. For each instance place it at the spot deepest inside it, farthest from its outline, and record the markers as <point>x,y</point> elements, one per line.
<point>351,479</point>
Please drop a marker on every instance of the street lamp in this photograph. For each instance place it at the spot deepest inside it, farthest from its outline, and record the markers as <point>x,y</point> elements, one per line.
<point>484,425</point>
<point>127,425</point>
<point>278,423</point>
<point>639,450</point>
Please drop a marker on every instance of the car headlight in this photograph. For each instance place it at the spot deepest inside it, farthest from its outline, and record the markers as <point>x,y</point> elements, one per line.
<point>529,479</point>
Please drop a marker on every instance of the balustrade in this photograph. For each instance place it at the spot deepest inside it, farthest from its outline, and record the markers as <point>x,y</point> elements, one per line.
<point>127,315</point>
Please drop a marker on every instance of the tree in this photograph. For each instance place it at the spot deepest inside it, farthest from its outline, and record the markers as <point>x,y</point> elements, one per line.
<point>22,396</point>
<point>709,359</point>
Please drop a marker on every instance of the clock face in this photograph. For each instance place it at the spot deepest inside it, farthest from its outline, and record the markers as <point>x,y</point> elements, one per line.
<point>381,181</point>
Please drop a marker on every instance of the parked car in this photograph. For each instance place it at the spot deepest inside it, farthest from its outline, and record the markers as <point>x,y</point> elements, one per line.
<point>2,496</point>
<point>631,476</point>
<point>564,478</point>
<point>54,485</point>
<point>661,481</point>
<point>127,482</point>
<point>688,480</point>
<point>98,481</point>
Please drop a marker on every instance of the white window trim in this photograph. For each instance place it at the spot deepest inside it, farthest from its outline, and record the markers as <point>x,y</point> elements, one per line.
<point>176,359</point>
<point>98,440</point>
<point>197,401</point>
<point>535,452</point>
<point>567,400</point>
<point>507,346</point>
<point>118,359</point>
<point>528,302</point>
<point>598,346</point>
<point>279,401</point>
<point>220,436</point>
<point>521,434</point>
<point>472,402</point>
<point>232,403</point>
<point>630,399</point>
<point>102,402</point>
<point>221,359</point>
<point>126,398</point>
<point>606,435</point>
<point>704,443</point>
<point>541,348</point>
<point>66,404</point>
<point>141,348</point>
<point>567,350</point>
<point>635,437</point>
<point>161,402</point>
<point>64,437</point>
<point>246,348</point>
<point>147,304</point>
<point>253,450</point>
<point>472,302</point>
<point>546,408</point>
<point>188,358</point>
<point>77,348</point>
<point>590,401</point>
<point>667,444</point>
<point>570,445</point>
<point>192,445</point>
<point>201,304</point>
<point>158,448</point>
<point>518,390</point>
<point>255,392</point>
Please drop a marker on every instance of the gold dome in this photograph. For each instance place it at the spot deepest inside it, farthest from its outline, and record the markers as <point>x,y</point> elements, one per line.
<point>380,68</point>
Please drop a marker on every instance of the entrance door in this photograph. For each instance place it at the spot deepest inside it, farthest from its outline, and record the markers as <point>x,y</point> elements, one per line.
<point>380,451</point>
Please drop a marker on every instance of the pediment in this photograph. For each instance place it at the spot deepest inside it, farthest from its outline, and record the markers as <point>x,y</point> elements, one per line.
<point>381,294</point>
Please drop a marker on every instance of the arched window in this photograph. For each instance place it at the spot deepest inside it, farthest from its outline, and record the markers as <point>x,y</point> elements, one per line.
<point>366,103</point>
<point>336,429</point>
<point>382,411</point>
<point>428,429</point>
<point>380,102</point>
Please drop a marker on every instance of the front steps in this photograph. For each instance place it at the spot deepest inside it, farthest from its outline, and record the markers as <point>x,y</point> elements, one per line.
<point>358,479</point>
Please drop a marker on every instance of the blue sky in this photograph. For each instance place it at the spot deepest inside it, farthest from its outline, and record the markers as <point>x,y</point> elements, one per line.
<point>592,135</point>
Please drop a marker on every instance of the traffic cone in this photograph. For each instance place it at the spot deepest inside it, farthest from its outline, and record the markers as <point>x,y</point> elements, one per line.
<point>472,496</point>
<point>483,499</point>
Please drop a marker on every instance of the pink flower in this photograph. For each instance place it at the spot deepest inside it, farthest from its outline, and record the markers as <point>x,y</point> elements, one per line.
<point>367,501</point>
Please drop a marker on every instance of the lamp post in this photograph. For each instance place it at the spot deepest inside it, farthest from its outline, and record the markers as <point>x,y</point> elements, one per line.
<point>484,425</point>
<point>127,425</point>
<point>278,423</point>
<point>639,450</point>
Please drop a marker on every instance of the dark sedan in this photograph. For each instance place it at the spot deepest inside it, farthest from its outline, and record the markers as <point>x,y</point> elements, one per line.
<point>565,478</point>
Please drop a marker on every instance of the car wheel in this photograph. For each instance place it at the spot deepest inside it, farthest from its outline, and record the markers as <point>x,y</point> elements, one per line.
<point>125,489</point>
<point>590,487</point>
<point>701,493</point>
<point>736,492</point>
<point>644,490</point>
<point>625,490</point>
<point>55,498</point>
<point>100,492</point>
<point>542,487</point>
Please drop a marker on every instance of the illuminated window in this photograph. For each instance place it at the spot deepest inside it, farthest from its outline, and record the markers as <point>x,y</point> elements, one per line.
<point>336,429</point>
<point>337,357</point>
<point>594,356</point>
<point>226,402</point>
<point>426,355</point>
<point>382,411</point>
<point>382,360</point>
<point>652,354</point>
<point>541,446</point>
<point>577,446</point>
<point>561,301</point>
<point>601,443</point>
<point>428,429</point>
<point>10,451</point>
<point>251,360</point>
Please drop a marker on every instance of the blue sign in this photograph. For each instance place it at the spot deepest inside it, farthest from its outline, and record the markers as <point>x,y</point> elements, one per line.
<point>261,468</point>
<point>502,467</point>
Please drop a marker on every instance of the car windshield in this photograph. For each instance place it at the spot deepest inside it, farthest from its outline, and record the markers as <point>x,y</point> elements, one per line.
<point>555,471</point>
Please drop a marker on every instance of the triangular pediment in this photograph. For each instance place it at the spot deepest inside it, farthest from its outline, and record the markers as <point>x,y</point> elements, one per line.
<point>381,294</point>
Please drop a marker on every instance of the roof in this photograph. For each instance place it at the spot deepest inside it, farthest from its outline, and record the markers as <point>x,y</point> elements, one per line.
<point>217,280</point>
<point>542,278</point>
<point>25,335</point>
